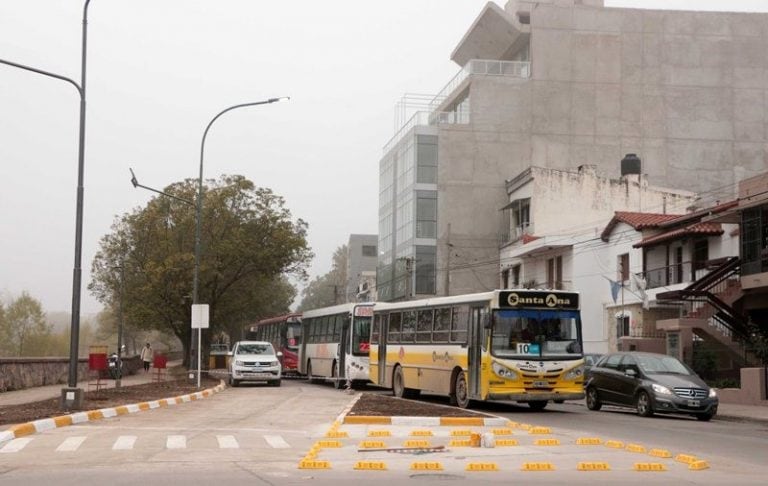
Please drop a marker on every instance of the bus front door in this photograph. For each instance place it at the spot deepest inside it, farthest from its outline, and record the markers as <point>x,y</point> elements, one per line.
<point>474,356</point>
<point>383,331</point>
<point>344,350</point>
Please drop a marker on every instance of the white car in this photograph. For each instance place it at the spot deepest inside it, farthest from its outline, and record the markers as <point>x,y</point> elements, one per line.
<point>255,361</point>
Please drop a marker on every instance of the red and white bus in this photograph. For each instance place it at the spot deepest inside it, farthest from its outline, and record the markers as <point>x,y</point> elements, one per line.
<point>284,332</point>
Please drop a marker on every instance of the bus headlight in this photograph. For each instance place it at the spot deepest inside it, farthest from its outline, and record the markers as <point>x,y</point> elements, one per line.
<point>503,371</point>
<point>575,373</point>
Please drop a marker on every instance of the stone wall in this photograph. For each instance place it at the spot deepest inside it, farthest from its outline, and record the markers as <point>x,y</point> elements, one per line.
<point>20,373</point>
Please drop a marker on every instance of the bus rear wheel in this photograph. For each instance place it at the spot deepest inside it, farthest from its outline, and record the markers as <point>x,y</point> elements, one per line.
<point>309,372</point>
<point>460,396</point>
<point>398,383</point>
<point>337,383</point>
<point>537,404</point>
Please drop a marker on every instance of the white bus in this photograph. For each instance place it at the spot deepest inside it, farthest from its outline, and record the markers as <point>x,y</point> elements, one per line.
<point>335,343</point>
<point>522,345</point>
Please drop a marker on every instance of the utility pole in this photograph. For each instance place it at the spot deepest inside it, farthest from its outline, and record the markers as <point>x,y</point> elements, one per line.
<point>448,250</point>
<point>408,278</point>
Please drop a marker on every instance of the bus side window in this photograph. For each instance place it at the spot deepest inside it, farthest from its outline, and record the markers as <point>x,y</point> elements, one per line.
<point>424,326</point>
<point>460,324</point>
<point>375,329</point>
<point>394,327</point>
<point>442,325</point>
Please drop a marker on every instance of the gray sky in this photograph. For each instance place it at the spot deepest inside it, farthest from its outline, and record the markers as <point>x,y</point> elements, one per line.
<point>158,70</point>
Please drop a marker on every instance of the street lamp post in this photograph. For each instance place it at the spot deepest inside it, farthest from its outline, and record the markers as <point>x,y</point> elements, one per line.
<point>72,397</point>
<point>198,217</point>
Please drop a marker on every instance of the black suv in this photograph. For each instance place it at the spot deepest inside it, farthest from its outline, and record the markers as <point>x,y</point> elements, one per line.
<point>651,383</point>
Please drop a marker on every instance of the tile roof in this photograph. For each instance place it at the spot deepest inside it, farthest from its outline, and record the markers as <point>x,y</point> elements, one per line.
<point>705,229</point>
<point>638,221</point>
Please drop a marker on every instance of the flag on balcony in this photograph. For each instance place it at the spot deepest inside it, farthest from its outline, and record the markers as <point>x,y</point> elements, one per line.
<point>615,287</point>
<point>640,284</point>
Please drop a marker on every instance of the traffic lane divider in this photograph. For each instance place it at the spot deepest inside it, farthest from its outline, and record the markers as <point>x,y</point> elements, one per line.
<point>37,426</point>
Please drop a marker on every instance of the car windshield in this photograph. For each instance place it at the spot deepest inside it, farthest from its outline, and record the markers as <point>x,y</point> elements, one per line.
<point>293,335</point>
<point>527,334</point>
<point>665,364</point>
<point>255,349</point>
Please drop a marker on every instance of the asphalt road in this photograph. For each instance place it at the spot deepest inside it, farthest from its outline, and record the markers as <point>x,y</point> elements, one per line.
<point>258,434</point>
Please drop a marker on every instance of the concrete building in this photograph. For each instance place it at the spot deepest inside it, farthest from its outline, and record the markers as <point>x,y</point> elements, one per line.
<point>553,229</point>
<point>559,84</point>
<point>361,265</point>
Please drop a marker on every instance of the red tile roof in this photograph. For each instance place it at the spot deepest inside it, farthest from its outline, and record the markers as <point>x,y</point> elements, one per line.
<point>697,215</point>
<point>705,229</point>
<point>638,221</point>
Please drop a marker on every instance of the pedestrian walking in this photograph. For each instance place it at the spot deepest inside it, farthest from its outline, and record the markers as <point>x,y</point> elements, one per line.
<point>146,356</point>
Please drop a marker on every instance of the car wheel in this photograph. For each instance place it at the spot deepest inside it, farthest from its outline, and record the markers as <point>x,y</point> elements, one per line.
<point>398,383</point>
<point>234,383</point>
<point>705,417</point>
<point>460,397</point>
<point>644,407</point>
<point>559,401</point>
<point>593,401</point>
<point>274,383</point>
<point>538,405</point>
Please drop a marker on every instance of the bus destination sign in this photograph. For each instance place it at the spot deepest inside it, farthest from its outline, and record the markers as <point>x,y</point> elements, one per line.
<point>539,299</point>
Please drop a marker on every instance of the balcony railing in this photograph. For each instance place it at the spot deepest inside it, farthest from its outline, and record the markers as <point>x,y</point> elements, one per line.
<point>674,274</point>
<point>489,67</point>
<point>512,235</point>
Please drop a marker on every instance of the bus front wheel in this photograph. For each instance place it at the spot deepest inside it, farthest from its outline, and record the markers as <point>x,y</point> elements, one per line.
<point>398,383</point>
<point>460,396</point>
<point>337,383</point>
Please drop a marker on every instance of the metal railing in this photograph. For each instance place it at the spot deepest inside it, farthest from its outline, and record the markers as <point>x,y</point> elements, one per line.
<point>510,235</point>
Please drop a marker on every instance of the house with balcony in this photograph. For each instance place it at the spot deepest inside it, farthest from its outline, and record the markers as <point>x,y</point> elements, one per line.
<point>574,230</point>
<point>559,84</point>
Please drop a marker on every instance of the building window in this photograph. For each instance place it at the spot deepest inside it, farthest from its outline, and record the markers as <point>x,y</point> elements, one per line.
<point>622,269</point>
<point>555,272</point>
<point>622,325</point>
<point>505,279</point>
<point>426,159</point>
<point>426,263</point>
<point>700,254</point>
<point>516,276</point>
<point>426,214</point>
<point>369,250</point>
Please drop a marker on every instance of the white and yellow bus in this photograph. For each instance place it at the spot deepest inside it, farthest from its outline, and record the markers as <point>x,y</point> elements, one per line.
<point>522,345</point>
<point>334,345</point>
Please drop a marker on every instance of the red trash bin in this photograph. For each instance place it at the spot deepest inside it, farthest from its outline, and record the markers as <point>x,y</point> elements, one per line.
<point>160,361</point>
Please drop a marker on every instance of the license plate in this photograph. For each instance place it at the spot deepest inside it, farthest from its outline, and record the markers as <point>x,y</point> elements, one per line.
<point>694,403</point>
<point>540,384</point>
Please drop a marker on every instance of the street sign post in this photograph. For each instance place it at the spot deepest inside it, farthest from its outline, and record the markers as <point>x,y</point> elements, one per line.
<point>199,322</point>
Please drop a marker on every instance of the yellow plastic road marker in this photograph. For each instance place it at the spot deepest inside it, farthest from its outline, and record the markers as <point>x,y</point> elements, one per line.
<point>457,421</point>
<point>547,442</point>
<point>510,423</point>
<point>614,444</point>
<point>589,441</point>
<point>482,466</point>
<point>539,430</point>
<point>537,466</point>
<point>426,466</point>
<point>372,444</point>
<point>328,444</point>
<point>367,419</point>
<point>593,466</point>
<point>379,433</point>
<point>461,433</point>
<point>686,458</point>
<point>524,426</point>
<point>460,443</point>
<point>649,466</point>
<point>502,432</point>
<point>336,434</point>
<point>698,465</point>
<point>416,443</point>
<point>506,442</point>
<point>421,433</point>
<point>304,464</point>
<point>636,448</point>
<point>663,453</point>
<point>371,465</point>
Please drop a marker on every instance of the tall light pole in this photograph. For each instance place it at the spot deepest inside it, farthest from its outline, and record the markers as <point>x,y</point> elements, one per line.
<point>72,397</point>
<point>198,217</point>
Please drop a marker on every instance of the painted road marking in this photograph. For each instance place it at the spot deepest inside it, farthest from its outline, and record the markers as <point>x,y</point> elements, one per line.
<point>227,442</point>
<point>15,445</point>
<point>176,442</point>
<point>124,443</point>
<point>71,444</point>
<point>276,441</point>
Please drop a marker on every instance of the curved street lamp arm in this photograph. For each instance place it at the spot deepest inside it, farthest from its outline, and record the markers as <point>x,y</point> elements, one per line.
<point>44,73</point>
<point>136,183</point>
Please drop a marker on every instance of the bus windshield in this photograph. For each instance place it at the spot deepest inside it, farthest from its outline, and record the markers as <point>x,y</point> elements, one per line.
<point>293,335</point>
<point>537,334</point>
<point>361,335</point>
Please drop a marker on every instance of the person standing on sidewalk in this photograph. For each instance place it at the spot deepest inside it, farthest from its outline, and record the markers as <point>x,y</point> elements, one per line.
<point>146,356</point>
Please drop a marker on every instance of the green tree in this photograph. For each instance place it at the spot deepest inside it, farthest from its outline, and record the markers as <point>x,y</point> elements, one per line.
<point>330,288</point>
<point>23,328</point>
<point>249,243</point>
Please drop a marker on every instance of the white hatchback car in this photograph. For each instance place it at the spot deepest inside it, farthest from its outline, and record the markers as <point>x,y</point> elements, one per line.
<point>255,361</point>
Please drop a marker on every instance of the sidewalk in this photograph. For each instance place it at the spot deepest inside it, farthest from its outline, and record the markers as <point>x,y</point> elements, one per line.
<point>726,411</point>
<point>29,395</point>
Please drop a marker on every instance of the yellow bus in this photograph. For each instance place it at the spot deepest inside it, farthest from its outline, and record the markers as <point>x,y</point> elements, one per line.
<point>522,345</point>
